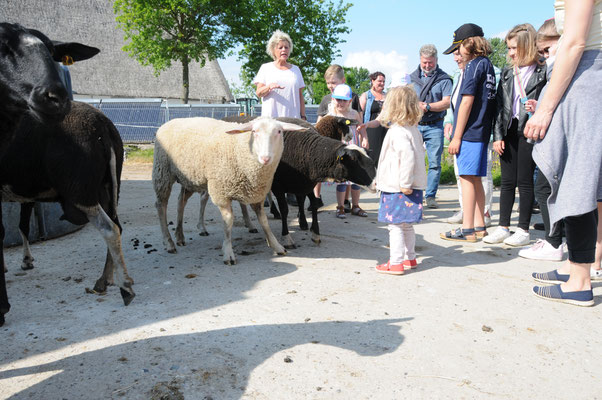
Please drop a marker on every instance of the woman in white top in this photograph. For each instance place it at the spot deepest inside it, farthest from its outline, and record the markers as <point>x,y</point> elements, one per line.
<point>279,83</point>
<point>567,125</point>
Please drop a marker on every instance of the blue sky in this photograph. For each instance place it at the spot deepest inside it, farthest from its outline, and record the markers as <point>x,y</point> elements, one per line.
<point>387,34</point>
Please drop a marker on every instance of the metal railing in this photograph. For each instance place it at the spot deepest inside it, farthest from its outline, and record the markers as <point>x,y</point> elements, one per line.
<point>137,120</point>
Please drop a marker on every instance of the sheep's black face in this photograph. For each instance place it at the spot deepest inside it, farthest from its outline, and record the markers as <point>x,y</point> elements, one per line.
<point>28,75</point>
<point>357,167</point>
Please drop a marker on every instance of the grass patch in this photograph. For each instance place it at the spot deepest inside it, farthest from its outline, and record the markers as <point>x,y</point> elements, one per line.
<point>137,154</point>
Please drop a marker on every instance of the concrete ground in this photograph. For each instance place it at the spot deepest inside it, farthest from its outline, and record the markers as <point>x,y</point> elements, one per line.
<point>318,323</point>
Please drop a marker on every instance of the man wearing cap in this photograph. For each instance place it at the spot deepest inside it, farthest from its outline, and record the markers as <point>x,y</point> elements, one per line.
<point>433,87</point>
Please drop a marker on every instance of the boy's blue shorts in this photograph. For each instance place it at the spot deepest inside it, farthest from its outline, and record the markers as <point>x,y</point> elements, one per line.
<point>472,159</point>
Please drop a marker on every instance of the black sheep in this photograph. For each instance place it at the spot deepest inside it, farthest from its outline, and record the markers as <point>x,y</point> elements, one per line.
<point>77,163</point>
<point>29,83</point>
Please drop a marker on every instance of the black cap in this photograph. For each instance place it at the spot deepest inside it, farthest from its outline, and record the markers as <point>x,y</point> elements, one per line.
<point>462,33</point>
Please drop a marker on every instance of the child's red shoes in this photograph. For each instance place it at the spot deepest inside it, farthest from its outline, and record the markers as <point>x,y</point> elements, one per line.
<point>410,264</point>
<point>388,268</point>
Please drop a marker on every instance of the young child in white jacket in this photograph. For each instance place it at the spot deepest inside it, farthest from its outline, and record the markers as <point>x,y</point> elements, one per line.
<point>401,177</point>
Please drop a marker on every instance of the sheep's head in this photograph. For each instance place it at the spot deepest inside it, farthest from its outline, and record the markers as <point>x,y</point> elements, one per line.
<point>336,127</point>
<point>266,137</point>
<point>353,164</point>
<point>28,75</point>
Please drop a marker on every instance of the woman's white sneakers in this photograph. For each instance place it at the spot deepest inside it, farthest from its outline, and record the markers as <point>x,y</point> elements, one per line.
<point>542,250</point>
<point>498,236</point>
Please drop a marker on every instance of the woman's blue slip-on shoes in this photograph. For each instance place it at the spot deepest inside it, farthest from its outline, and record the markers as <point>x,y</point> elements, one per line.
<point>550,277</point>
<point>583,298</point>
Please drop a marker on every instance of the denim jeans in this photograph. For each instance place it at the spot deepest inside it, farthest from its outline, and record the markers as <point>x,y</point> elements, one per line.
<point>433,140</point>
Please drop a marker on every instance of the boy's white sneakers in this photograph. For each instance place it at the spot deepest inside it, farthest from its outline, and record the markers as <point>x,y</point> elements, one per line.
<point>542,250</point>
<point>520,238</point>
<point>498,236</point>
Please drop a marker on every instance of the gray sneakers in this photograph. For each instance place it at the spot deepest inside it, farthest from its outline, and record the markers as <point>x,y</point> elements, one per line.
<point>431,202</point>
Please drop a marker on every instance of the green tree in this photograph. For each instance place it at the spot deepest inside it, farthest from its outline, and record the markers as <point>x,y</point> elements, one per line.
<point>163,31</point>
<point>315,27</point>
<point>358,79</point>
<point>498,57</point>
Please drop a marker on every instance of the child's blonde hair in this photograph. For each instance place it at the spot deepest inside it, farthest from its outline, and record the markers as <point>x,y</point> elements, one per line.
<point>526,47</point>
<point>334,71</point>
<point>401,107</point>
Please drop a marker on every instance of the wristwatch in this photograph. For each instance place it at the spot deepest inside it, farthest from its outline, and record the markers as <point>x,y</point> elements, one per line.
<point>428,107</point>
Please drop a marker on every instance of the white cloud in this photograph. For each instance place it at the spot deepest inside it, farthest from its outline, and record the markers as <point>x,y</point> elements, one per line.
<point>501,35</point>
<point>392,64</point>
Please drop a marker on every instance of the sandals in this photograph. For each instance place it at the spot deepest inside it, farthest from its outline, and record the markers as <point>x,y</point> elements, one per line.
<point>358,211</point>
<point>341,212</point>
<point>480,232</point>
<point>460,235</point>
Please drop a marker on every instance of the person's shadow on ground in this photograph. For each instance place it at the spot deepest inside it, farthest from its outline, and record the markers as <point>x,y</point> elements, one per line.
<point>215,364</point>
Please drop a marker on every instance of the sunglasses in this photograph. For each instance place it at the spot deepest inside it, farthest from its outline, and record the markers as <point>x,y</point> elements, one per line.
<point>544,51</point>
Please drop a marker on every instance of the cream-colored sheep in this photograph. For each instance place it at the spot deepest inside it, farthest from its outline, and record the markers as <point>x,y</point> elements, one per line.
<point>231,161</point>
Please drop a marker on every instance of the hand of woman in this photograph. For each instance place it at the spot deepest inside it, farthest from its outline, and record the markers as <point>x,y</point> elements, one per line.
<point>454,146</point>
<point>275,86</point>
<point>499,146</point>
<point>531,105</point>
<point>407,192</point>
<point>537,125</point>
<point>365,143</point>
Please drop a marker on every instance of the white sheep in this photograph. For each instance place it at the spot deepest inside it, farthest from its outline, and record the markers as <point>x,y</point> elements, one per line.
<point>204,154</point>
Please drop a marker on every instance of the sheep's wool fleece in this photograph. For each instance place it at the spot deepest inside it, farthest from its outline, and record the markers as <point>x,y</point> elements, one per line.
<point>200,154</point>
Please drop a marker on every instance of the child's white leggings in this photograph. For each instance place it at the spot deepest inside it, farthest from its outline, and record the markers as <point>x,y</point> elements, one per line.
<point>402,242</point>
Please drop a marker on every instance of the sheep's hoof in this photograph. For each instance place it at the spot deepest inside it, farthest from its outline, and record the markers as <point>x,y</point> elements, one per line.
<point>316,239</point>
<point>127,295</point>
<point>27,263</point>
<point>205,233</point>
<point>101,285</point>
<point>230,262</point>
<point>1,319</point>
<point>180,243</point>
<point>276,215</point>
<point>289,246</point>
<point>254,230</point>
<point>303,226</point>
<point>281,253</point>
<point>172,251</point>
<point>129,279</point>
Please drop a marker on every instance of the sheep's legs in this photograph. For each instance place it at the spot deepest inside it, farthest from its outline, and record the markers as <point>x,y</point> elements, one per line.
<point>161,205</point>
<point>201,224</point>
<point>245,216</point>
<point>228,218</point>
<point>263,221</point>
<point>315,227</point>
<point>302,220</point>
<point>182,200</point>
<point>4,304</point>
<point>283,206</point>
<point>24,218</point>
<point>112,236</point>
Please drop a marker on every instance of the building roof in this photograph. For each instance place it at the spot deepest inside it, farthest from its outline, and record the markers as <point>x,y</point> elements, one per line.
<point>112,72</point>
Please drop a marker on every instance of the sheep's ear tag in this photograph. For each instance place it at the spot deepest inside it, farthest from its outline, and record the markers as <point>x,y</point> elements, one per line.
<point>347,122</point>
<point>234,131</point>
<point>67,60</point>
